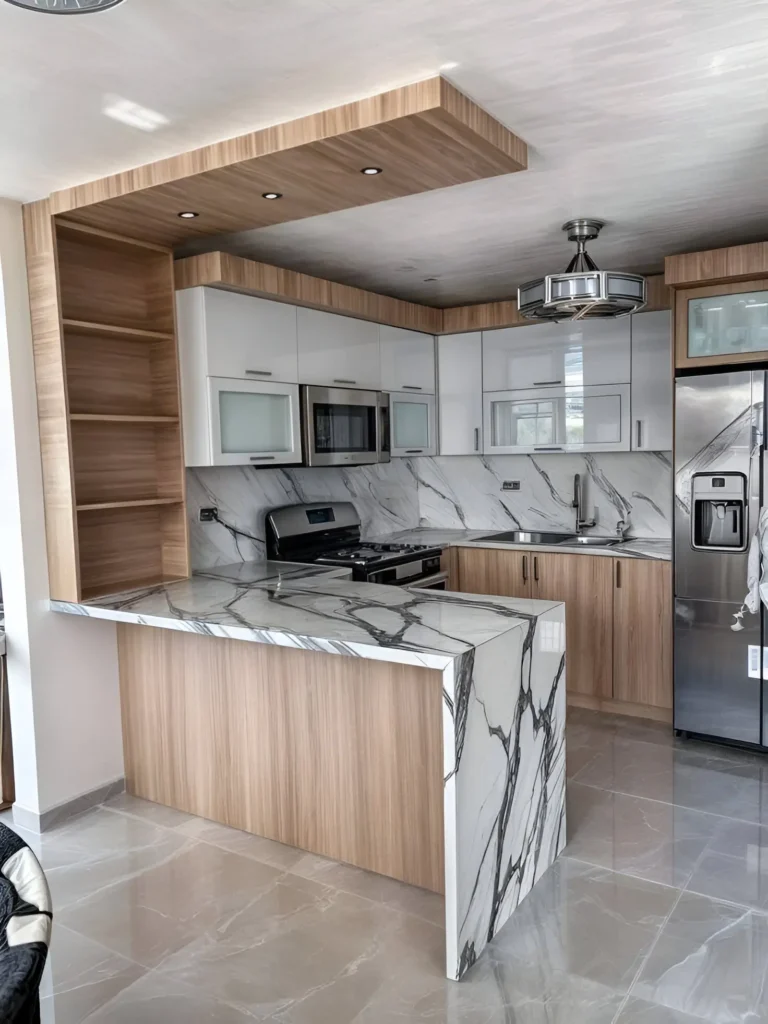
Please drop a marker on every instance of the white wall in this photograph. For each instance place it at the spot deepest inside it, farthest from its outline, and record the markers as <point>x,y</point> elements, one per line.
<point>65,708</point>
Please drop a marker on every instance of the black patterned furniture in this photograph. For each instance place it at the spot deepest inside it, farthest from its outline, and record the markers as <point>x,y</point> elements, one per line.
<point>25,929</point>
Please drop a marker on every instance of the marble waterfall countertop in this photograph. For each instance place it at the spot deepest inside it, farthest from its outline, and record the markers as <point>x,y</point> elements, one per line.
<point>502,665</point>
<point>632,548</point>
<point>318,608</point>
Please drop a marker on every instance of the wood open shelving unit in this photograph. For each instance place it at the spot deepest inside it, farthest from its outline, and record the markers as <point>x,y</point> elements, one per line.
<point>107,368</point>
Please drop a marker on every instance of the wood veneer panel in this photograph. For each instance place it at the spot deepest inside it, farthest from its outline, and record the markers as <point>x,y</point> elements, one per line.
<point>490,571</point>
<point>108,282</point>
<point>585,584</point>
<point>735,263</point>
<point>121,548</point>
<point>235,273</point>
<point>489,315</point>
<point>340,756</point>
<point>642,632</point>
<point>116,461</point>
<point>52,403</point>
<point>425,136</point>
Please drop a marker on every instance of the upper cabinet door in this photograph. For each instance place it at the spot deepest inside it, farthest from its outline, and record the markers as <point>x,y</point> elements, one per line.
<point>407,360</point>
<point>652,381</point>
<point>338,351</point>
<point>574,354</point>
<point>243,336</point>
<point>460,393</point>
<point>720,324</point>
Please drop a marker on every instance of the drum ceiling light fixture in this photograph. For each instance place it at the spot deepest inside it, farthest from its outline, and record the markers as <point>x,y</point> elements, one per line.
<point>65,6</point>
<point>582,292</point>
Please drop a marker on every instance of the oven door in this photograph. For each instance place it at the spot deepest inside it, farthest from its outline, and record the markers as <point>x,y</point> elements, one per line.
<point>343,427</point>
<point>437,581</point>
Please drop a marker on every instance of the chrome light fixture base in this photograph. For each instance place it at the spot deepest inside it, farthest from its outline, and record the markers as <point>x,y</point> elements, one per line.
<point>582,292</point>
<point>65,6</point>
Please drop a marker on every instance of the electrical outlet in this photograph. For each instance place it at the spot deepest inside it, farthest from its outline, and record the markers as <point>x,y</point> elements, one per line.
<point>208,515</point>
<point>510,485</point>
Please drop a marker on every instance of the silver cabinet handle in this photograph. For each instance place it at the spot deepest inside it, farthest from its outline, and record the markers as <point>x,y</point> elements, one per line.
<point>412,387</point>
<point>525,568</point>
<point>262,458</point>
<point>545,383</point>
<point>547,448</point>
<point>639,434</point>
<point>260,373</point>
<point>340,380</point>
<point>536,568</point>
<point>414,451</point>
<point>477,439</point>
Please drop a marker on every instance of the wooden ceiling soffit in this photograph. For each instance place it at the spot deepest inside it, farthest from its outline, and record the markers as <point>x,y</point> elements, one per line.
<point>488,315</point>
<point>736,263</point>
<point>234,273</point>
<point>424,136</point>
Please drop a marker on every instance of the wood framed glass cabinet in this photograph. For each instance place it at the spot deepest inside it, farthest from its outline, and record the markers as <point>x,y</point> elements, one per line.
<point>721,324</point>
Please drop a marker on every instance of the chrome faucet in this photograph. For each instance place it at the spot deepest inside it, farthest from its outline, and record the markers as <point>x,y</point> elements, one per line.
<point>578,504</point>
<point>622,527</point>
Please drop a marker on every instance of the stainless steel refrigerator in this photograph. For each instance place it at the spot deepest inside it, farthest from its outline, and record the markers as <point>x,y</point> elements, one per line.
<point>720,679</point>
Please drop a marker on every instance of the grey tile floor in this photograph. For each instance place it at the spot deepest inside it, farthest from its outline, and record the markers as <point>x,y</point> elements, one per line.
<point>656,914</point>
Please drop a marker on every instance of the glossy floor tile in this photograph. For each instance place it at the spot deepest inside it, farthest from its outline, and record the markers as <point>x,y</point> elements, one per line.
<point>656,914</point>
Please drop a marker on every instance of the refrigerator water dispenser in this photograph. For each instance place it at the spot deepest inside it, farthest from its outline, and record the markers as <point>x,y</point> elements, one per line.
<point>719,506</point>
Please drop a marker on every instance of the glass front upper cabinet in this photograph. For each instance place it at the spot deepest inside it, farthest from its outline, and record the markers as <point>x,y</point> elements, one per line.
<point>412,419</point>
<point>727,325</point>
<point>253,423</point>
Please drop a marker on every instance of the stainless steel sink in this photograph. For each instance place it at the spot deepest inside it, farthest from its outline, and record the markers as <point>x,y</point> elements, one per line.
<point>591,542</point>
<point>524,537</point>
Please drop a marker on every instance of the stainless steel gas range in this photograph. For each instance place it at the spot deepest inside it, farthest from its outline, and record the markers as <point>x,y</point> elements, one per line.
<point>329,534</point>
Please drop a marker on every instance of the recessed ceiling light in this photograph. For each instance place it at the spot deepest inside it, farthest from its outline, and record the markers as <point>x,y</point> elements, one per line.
<point>188,215</point>
<point>370,170</point>
<point>271,195</point>
<point>449,66</point>
<point>66,6</point>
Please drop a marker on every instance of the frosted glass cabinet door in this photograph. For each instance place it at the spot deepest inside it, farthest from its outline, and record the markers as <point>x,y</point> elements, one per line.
<point>723,325</point>
<point>412,425</point>
<point>253,424</point>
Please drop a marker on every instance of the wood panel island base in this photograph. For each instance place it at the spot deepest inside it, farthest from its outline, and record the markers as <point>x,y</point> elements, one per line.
<point>418,734</point>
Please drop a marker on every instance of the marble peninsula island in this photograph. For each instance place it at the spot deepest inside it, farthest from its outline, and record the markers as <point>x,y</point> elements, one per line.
<point>419,734</point>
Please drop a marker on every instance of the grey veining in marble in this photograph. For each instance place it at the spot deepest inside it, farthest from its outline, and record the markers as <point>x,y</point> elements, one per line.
<point>385,497</point>
<point>460,492</point>
<point>503,678</point>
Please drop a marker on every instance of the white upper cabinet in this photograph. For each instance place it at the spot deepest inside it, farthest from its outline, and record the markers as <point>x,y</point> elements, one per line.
<point>338,351</point>
<point>652,381</point>
<point>460,390</point>
<point>575,354</point>
<point>238,336</point>
<point>407,360</point>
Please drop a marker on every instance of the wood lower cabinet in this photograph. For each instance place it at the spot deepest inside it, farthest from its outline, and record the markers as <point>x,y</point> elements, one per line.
<point>585,584</point>
<point>618,615</point>
<point>502,573</point>
<point>642,632</point>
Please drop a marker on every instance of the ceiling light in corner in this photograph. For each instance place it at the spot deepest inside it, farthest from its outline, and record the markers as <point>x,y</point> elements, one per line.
<point>371,170</point>
<point>188,215</point>
<point>66,6</point>
<point>133,114</point>
<point>271,195</point>
<point>582,292</point>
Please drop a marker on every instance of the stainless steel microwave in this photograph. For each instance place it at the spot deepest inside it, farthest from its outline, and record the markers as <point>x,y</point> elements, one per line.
<point>344,427</point>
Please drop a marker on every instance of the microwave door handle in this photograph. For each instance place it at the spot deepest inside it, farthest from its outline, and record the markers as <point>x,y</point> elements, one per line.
<point>382,427</point>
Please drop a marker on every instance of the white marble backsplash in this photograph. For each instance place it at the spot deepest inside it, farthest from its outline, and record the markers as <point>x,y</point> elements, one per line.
<point>385,496</point>
<point>465,492</point>
<point>456,492</point>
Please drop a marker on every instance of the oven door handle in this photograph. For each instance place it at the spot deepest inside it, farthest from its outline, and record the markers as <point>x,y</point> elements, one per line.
<point>428,581</point>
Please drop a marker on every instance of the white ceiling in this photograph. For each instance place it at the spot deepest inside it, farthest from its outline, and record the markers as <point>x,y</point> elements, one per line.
<point>650,114</point>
